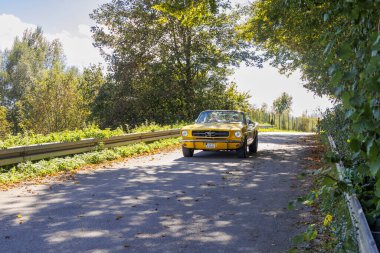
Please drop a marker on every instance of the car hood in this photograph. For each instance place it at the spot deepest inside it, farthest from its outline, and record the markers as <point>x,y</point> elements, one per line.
<point>215,126</point>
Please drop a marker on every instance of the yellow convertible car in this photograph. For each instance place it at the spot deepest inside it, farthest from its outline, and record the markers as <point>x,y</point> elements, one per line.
<point>221,130</point>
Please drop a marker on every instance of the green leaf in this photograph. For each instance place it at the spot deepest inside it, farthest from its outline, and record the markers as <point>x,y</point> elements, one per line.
<point>345,51</point>
<point>337,78</point>
<point>374,166</point>
<point>356,100</point>
<point>355,144</point>
<point>311,233</point>
<point>377,188</point>
<point>372,150</point>
<point>328,181</point>
<point>346,96</point>
<point>349,75</point>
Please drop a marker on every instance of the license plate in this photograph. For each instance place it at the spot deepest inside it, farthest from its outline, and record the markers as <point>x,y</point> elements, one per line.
<point>210,145</point>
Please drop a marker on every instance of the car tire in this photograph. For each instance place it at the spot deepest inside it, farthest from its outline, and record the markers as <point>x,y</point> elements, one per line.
<point>187,152</point>
<point>242,152</point>
<point>253,147</point>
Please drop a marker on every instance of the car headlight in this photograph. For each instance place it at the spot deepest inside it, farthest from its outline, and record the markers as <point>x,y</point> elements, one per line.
<point>185,133</point>
<point>238,134</point>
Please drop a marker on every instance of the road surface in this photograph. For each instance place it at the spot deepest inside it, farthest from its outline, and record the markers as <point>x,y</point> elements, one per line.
<point>213,202</point>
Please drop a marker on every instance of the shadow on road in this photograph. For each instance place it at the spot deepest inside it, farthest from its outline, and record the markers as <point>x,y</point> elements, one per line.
<point>213,202</point>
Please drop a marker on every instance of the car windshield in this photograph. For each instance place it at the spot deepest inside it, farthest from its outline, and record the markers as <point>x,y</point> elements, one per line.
<point>220,117</point>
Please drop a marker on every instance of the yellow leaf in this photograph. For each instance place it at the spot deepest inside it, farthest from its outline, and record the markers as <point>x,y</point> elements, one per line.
<point>328,219</point>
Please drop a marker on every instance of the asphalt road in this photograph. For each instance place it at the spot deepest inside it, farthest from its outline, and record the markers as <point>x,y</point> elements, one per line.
<point>213,202</point>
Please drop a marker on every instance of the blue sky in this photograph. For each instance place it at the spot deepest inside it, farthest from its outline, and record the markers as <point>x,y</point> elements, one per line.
<point>53,15</point>
<point>68,20</point>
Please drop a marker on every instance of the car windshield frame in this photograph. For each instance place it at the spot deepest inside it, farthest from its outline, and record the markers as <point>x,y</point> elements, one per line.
<point>221,117</point>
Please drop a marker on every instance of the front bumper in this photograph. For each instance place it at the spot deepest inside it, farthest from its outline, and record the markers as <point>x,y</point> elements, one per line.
<point>219,144</point>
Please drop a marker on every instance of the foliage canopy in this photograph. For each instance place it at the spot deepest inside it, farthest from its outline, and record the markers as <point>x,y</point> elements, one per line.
<point>169,59</point>
<point>336,45</point>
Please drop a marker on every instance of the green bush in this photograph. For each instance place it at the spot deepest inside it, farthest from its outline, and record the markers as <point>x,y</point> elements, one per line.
<point>152,127</point>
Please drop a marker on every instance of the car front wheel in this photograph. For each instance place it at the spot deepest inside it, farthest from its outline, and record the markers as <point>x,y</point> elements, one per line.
<point>242,152</point>
<point>254,145</point>
<point>187,152</point>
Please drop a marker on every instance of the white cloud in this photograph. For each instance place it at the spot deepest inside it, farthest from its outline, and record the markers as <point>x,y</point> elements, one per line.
<point>78,49</point>
<point>10,27</point>
<point>85,30</point>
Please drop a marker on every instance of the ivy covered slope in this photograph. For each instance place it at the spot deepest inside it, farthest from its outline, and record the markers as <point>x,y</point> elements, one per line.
<point>336,45</point>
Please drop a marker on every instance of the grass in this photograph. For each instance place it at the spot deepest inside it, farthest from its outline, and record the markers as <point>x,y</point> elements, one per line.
<point>265,124</point>
<point>33,170</point>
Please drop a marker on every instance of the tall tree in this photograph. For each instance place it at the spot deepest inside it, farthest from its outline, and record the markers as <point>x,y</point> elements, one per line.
<point>283,103</point>
<point>23,65</point>
<point>5,127</point>
<point>166,57</point>
<point>55,103</point>
<point>264,108</point>
<point>91,82</point>
<point>3,78</point>
<point>236,100</point>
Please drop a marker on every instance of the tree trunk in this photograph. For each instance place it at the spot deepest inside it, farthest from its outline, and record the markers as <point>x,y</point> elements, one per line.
<point>288,122</point>
<point>189,89</point>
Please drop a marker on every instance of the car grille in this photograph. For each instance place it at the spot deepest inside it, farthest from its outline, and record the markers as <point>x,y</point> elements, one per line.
<point>209,134</point>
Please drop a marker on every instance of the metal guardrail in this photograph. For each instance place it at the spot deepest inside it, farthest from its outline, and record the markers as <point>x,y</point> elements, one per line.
<point>49,150</point>
<point>365,239</point>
